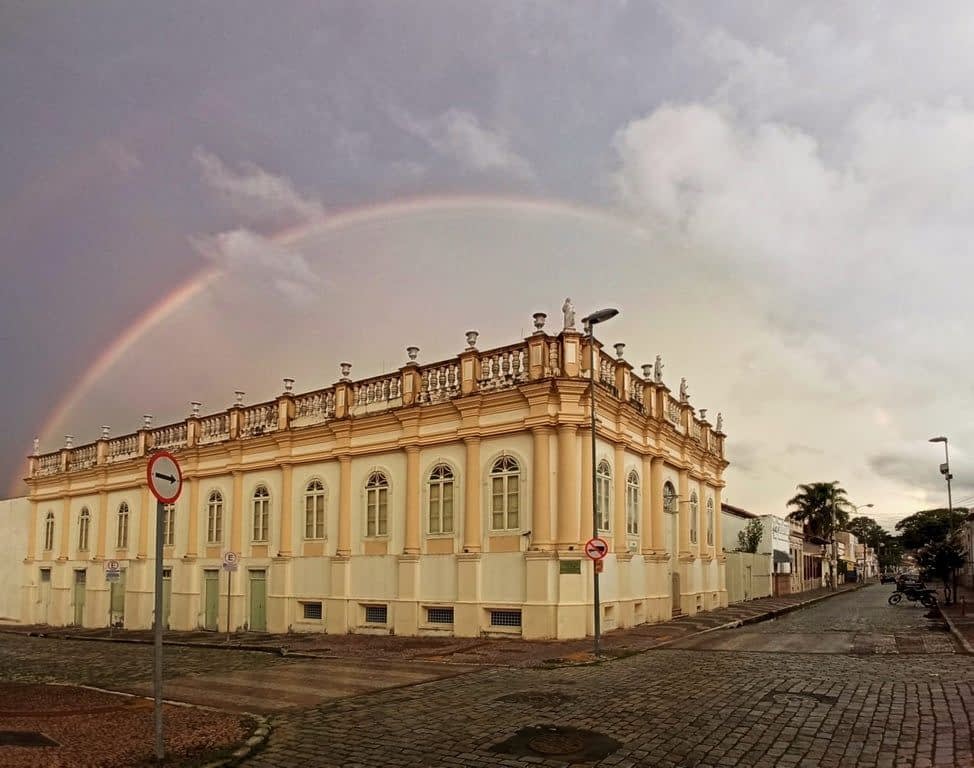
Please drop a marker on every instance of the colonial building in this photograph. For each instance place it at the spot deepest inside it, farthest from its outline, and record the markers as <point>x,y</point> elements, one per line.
<point>452,497</point>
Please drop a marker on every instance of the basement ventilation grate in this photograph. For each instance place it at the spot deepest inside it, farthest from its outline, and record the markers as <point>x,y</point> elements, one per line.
<point>558,742</point>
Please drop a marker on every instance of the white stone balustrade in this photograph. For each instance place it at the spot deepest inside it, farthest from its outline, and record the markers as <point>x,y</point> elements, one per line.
<point>439,382</point>
<point>122,448</point>
<point>49,464</point>
<point>257,420</point>
<point>314,407</point>
<point>171,437</point>
<point>83,457</point>
<point>214,428</point>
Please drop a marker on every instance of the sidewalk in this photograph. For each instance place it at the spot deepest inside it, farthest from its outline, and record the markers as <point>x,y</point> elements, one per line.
<point>486,651</point>
<point>960,617</point>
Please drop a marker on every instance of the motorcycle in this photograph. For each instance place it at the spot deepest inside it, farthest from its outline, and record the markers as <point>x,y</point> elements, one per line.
<point>914,593</point>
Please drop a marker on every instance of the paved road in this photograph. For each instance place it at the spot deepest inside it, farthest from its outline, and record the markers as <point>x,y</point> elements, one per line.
<point>679,707</point>
<point>719,703</point>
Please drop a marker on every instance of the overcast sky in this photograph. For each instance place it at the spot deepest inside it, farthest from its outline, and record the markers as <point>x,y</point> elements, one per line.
<point>777,196</point>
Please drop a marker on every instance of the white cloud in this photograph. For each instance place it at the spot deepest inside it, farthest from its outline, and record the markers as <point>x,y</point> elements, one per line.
<point>458,135</point>
<point>257,262</point>
<point>253,192</point>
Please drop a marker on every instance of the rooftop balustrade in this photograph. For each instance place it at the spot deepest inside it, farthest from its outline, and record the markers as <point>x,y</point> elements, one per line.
<point>540,356</point>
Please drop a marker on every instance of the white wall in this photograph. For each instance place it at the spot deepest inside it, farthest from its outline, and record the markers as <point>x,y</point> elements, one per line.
<point>14,522</point>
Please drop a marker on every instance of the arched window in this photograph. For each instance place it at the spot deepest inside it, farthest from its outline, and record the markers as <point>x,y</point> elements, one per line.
<point>632,502</point>
<point>669,498</point>
<point>603,494</point>
<point>49,531</point>
<point>710,521</point>
<point>168,524</point>
<point>441,499</point>
<point>214,518</point>
<point>314,510</point>
<point>84,525</point>
<point>261,507</point>
<point>694,516</point>
<point>122,527</point>
<point>505,494</point>
<point>377,505</point>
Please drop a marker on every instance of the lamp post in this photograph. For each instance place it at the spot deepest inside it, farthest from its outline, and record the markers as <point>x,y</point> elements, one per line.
<point>589,324</point>
<point>945,471</point>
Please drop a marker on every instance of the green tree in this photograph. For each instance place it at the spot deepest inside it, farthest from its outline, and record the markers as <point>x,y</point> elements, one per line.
<point>867,531</point>
<point>929,526</point>
<point>941,558</point>
<point>815,505</point>
<point>749,539</point>
<point>891,553</point>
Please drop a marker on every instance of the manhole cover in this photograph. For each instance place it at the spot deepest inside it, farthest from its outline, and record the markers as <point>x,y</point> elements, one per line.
<point>537,699</point>
<point>563,742</point>
<point>25,739</point>
<point>799,699</point>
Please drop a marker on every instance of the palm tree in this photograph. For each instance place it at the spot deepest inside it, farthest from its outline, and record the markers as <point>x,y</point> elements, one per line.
<point>823,509</point>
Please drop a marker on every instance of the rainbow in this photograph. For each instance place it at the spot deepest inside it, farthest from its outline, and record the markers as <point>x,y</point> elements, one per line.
<point>332,222</point>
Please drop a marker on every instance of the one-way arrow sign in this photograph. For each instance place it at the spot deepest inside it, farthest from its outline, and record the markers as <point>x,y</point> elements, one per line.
<point>165,479</point>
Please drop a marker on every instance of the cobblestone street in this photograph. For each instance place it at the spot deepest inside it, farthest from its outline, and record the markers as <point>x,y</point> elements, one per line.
<point>677,707</point>
<point>849,681</point>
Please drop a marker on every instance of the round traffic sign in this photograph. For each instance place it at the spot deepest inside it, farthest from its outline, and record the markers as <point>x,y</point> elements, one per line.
<point>165,477</point>
<point>596,548</point>
<point>112,565</point>
<point>230,558</point>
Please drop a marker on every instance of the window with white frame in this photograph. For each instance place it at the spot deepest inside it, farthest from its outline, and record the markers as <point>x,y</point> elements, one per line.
<point>214,518</point>
<point>377,505</point>
<point>632,502</point>
<point>710,521</point>
<point>694,515</point>
<point>441,487</point>
<point>122,527</point>
<point>49,531</point>
<point>84,525</point>
<point>168,524</point>
<point>669,498</point>
<point>603,494</point>
<point>505,494</point>
<point>314,510</point>
<point>261,512</point>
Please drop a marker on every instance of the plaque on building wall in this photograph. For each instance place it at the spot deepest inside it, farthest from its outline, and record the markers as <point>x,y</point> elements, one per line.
<point>569,566</point>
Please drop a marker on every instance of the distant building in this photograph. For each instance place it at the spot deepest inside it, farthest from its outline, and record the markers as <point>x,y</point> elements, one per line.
<point>444,498</point>
<point>15,523</point>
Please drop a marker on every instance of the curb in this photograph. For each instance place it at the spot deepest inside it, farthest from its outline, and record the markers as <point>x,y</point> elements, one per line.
<point>956,633</point>
<point>253,744</point>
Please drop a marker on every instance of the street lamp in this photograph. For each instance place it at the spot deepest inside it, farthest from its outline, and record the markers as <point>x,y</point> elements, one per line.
<point>856,509</point>
<point>589,324</point>
<point>945,471</point>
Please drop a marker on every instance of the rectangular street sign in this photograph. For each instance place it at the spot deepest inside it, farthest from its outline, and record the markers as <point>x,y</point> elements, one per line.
<point>232,567</point>
<point>113,576</point>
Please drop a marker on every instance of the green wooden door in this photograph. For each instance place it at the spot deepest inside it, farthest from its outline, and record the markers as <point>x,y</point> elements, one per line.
<point>166,595</point>
<point>211,599</point>
<point>79,597</point>
<point>258,601</point>
<point>45,595</point>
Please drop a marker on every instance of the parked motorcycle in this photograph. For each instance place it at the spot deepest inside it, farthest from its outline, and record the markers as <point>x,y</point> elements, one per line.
<point>914,593</point>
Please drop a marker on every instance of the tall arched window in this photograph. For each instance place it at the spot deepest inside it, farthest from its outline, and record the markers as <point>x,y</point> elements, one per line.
<point>710,521</point>
<point>694,516</point>
<point>261,509</point>
<point>603,494</point>
<point>377,505</point>
<point>168,524</point>
<point>314,510</point>
<point>84,525</point>
<point>632,502</point>
<point>214,518</point>
<point>440,512</point>
<point>49,531</point>
<point>122,527</point>
<point>505,494</point>
<point>669,498</point>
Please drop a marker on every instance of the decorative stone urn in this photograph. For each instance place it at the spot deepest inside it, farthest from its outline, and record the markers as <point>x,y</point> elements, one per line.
<point>539,320</point>
<point>648,371</point>
<point>147,421</point>
<point>620,350</point>
<point>413,353</point>
<point>288,385</point>
<point>104,431</point>
<point>472,339</point>
<point>69,441</point>
<point>346,369</point>
<point>238,395</point>
<point>195,405</point>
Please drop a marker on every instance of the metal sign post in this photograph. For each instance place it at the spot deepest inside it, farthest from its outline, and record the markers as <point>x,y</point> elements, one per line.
<point>230,561</point>
<point>166,483</point>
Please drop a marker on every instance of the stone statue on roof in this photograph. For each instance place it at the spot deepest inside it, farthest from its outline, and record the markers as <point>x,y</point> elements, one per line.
<point>568,309</point>
<point>684,391</point>
<point>720,423</point>
<point>658,370</point>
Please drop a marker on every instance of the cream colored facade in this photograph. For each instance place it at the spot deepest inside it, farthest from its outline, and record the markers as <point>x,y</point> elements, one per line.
<point>337,502</point>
